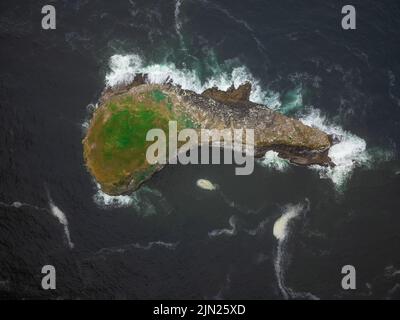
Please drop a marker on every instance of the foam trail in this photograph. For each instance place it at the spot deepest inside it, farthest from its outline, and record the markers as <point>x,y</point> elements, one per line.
<point>391,271</point>
<point>231,203</point>
<point>281,232</point>
<point>393,292</point>
<point>124,67</point>
<point>178,22</point>
<point>281,225</point>
<point>224,288</point>
<point>20,205</point>
<point>146,201</point>
<point>350,152</point>
<point>148,246</point>
<point>104,200</point>
<point>56,212</point>
<point>226,232</point>
<point>241,22</point>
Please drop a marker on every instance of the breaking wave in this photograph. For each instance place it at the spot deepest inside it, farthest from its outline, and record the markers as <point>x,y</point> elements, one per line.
<point>124,67</point>
<point>145,201</point>
<point>104,200</point>
<point>273,161</point>
<point>349,153</point>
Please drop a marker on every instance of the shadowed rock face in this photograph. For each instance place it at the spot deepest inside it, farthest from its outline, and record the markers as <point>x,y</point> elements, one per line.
<point>115,147</point>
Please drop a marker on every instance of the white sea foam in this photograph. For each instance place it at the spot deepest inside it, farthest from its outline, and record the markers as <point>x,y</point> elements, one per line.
<point>273,161</point>
<point>146,201</point>
<point>104,200</point>
<point>91,108</point>
<point>17,204</point>
<point>281,232</point>
<point>54,210</point>
<point>62,218</point>
<point>20,205</point>
<point>280,229</point>
<point>206,185</point>
<point>260,228</point>
<point>349,153</point>
<point>124,67</point>
<point>178,21</point>
<point>146,246</point>
<point>226,232</point>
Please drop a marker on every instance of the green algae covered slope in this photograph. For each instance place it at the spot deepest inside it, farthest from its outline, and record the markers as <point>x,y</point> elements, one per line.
<point>115,145</point>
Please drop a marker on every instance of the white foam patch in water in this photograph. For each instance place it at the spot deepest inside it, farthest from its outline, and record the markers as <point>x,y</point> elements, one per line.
<point>145,201</point>
<point>349,153</point>
<point>124,67</point>
<point>273,161</point>
<point>281,232</point>
<point>91,108</point>
<point>206,185</point>
<point>147,246</point>
<point>178,22</point>
<point>280,229</point>
<point>224,288</point>
<point>20,205</point>
<point>104,200</point>
<point>226,232</point>
<point>62,218</point>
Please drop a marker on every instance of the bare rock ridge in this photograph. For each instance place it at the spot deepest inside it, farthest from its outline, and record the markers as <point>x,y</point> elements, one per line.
<point>115,144</point>
<point>230,96</point>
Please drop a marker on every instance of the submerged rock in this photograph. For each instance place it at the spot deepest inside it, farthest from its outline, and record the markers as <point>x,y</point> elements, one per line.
<point>115,144</point>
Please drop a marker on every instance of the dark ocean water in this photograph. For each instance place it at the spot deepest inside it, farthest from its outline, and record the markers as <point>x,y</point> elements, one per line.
<point>174,240</point>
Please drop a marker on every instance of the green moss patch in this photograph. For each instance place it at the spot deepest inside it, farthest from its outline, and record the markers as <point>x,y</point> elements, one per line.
<point>115,146</point>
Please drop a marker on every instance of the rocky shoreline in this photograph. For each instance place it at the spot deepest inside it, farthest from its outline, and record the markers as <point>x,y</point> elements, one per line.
<point>212,109</point>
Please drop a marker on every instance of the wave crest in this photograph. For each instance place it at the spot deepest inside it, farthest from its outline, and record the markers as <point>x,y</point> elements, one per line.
<point>349,153</point>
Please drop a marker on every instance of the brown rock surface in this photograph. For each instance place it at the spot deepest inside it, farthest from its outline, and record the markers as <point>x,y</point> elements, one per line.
<point>213,109</point>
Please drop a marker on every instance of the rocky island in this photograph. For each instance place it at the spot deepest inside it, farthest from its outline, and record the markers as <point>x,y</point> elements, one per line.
<point>115,144</point>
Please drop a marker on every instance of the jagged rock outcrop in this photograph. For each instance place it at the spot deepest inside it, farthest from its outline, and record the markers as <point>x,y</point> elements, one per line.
<point>230,96</point>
